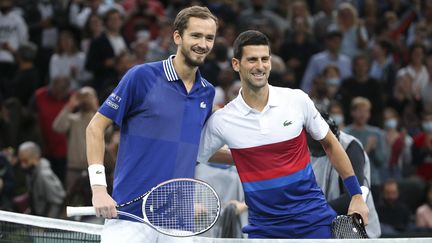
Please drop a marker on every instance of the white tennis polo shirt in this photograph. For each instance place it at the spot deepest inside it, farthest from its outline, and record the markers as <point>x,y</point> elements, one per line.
<point>270,151</point>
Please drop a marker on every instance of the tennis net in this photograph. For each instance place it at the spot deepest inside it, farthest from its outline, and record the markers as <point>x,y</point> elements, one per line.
<point>17,228</point>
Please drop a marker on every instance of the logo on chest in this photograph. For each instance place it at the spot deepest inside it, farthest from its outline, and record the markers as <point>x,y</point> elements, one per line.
<point>287,123</point>
<point>203,105</point>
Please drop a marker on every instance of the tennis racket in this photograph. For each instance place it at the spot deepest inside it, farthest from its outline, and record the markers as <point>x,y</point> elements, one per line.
<point>350,226</point>
<point>178,207</point>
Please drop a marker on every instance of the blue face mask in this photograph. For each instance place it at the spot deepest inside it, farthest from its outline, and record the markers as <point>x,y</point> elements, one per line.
<point>338,119</point>
<point>390,123</point>
<point>333,81</point>
<point>427,126</point>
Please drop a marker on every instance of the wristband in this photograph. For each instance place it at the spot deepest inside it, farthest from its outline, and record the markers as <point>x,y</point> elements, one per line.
<point>351,183</point>
<point>97,175</point>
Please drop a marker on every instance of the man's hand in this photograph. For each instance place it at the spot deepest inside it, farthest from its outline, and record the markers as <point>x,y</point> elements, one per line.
<point>103,203</point>
<point>358,205</point>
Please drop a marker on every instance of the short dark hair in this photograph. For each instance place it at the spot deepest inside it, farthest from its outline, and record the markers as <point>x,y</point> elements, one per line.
<point>27,51</point>
<point>249,38</point>
<point>182,18</point>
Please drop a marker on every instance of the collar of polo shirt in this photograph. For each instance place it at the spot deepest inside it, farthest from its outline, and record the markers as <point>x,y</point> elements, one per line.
<point>171,73</point>
<point>273,101</point>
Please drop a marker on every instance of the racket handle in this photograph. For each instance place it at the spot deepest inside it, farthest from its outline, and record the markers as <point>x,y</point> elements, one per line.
<point>80,211</point>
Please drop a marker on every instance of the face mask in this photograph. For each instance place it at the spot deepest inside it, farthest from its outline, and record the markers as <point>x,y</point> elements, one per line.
<point>390,123</point>
<point>333,81</point>
<point>338,119</point>
<point>427,126</point>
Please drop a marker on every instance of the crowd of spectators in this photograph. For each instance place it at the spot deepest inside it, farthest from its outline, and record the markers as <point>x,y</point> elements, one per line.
<point>367,62</point>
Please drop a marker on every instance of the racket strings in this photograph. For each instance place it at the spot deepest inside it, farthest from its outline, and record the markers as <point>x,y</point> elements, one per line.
<point>348,227</point>
<point>181,207</point>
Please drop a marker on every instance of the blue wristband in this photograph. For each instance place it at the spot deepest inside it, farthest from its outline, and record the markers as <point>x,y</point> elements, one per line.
<point>351,183</point>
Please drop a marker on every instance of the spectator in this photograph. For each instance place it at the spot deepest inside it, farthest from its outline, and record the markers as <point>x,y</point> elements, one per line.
<point>329,180</point>
<point>416,69</point>
<point>322,59</point>
<point>332,78</point>
<point>394,215</point>
<point>72,121</point>
<point>217,62</point>
<point>45,189</point>
<point>372,138</point>
<point>140,50</point>
<point>103,50</point>
<point>162,46</point>
<point>383,68</point>
<point>298,47</point>
<point>44,21</point>
<point>404,102</point>
<point>424,212</point>
<point>323,19</point>
<point>355,35</point>
<point>319,94</point>
<point>26,79</point>
<point>422,149</point>
<point>80,11</point>
<point>259,18</point>
<point>93,29</point>
<point>13,33</point>
<point>361,84</point>
<point>122,63</point>
<point>67,60</point>
<point>47,103</point>
<point>21,124</point>
<point>398,145</point>
<point>298,9</point>
<point>336,114</point>
<point>142,18</point>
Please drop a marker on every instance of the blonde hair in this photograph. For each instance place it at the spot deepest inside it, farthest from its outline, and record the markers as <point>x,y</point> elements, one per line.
<point>359,102</point>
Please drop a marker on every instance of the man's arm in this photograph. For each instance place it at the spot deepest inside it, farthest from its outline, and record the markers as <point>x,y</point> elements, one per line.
<point>102,201</point>
<point>222,156</point>
<point>341,162</point>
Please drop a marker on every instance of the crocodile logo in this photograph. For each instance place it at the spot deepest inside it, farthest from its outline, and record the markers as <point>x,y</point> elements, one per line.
<point>287,123</point>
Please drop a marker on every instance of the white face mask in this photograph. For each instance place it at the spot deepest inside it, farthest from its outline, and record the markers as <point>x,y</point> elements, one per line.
<point>333,81</point>
<point>390,123</point>
<point>427,126</point>
<point>338,119</point>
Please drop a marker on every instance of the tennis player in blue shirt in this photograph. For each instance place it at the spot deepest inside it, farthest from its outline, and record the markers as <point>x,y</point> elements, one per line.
<point>161,108</point>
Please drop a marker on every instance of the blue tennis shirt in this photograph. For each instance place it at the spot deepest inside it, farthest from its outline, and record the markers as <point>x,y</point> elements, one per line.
<point>160,128</point>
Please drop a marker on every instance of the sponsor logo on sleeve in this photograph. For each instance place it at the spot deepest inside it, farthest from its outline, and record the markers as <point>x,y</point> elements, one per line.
<point>113,101</point>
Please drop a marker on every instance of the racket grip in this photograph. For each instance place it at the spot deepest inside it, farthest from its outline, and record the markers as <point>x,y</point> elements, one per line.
<point>80,211</point>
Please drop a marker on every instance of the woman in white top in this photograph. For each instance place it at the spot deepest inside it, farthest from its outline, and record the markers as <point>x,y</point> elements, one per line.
<point>68,61</point>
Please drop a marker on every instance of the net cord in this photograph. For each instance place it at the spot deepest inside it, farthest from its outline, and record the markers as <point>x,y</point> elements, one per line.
<point>50,223</point>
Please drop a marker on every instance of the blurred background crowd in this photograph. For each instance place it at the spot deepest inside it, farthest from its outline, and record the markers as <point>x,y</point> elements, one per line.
<point>367,62</point>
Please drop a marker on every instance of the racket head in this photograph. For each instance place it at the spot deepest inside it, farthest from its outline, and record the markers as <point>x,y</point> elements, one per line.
<point>349,227</point>
<point>181,207</point>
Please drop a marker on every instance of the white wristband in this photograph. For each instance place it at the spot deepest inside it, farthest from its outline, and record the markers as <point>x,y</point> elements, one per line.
<point>97,175</point>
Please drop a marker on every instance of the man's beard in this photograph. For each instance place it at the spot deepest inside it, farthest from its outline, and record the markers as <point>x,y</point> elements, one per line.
<point>189,61</point>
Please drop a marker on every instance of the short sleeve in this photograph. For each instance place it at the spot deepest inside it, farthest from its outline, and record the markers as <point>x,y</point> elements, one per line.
<point>117,105</point>
<point>315,125</point>
<point>211,139</point>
